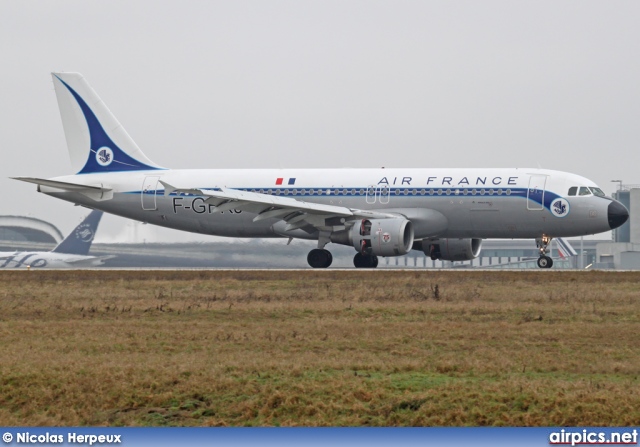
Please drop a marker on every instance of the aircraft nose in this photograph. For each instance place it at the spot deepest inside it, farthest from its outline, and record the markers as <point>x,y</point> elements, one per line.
<point>617,214</point>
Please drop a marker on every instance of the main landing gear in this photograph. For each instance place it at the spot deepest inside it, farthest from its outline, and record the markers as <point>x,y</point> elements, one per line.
<point>544,261</point>
<point>365,261</point>
<point>319,258</point>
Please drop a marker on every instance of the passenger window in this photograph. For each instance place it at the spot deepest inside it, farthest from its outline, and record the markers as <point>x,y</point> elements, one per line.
<point>573,190</point>
<point>584,191</point>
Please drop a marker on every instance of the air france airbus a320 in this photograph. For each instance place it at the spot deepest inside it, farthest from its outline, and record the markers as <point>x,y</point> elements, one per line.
<point>445,213</point>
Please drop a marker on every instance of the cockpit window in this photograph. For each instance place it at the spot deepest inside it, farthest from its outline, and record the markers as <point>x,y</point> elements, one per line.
<point>584,191</point>
<point>597,191</point>
<point>573,190</point>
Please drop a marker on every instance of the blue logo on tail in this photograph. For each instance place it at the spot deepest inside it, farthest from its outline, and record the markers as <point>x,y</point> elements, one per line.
<point>104,156</point>
<point>85,233</point>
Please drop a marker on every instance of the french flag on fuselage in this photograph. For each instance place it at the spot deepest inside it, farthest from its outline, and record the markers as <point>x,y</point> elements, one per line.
<point>292,181</point>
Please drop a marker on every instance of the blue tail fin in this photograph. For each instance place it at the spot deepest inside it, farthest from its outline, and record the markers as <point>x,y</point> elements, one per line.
<point>97,142</point>
<point>79,240</point>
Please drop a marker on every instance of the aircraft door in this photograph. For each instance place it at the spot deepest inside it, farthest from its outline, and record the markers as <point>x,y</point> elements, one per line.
<point>148,193</point>
<point>371,194</point>
<point>535,193</point>
<point>383,193</point>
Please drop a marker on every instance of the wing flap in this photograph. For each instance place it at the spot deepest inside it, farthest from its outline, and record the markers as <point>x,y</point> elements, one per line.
<point>272,213</point>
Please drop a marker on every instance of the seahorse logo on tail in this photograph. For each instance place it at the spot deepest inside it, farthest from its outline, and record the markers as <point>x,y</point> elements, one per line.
<point>104,156</point>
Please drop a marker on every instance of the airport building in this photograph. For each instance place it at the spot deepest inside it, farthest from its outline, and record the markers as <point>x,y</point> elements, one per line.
<point>24,229</point>
<point>623,252</point>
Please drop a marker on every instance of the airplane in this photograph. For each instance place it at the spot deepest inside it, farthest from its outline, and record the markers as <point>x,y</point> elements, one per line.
<point>445,213</point>
<point>565,249</point>
<point>72,252</point>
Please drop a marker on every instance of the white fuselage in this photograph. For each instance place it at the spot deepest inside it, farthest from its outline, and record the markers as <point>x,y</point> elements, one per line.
<point>477,203</point>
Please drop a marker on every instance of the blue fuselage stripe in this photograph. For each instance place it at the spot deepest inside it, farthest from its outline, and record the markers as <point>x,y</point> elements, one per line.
<point>404,192</point>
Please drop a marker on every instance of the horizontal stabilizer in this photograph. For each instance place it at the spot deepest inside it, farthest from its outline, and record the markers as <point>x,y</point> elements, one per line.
<point>97,193</point>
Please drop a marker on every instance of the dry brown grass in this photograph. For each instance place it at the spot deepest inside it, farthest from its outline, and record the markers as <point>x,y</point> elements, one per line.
<point>319,348</point>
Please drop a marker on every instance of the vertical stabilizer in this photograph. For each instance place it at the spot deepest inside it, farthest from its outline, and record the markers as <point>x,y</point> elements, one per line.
<point>79,240</point>
<point>97,142</point>
<point>565,250</point>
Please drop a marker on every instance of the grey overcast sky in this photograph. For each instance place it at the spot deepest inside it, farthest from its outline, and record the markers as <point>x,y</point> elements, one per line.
<point>234,84</point>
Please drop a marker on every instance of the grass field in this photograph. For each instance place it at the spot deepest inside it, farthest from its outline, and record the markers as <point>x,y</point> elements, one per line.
<point>356,348</point>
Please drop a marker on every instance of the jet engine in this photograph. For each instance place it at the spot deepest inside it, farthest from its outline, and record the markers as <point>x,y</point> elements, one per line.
<point>452,249</point>
<point>382,237</point>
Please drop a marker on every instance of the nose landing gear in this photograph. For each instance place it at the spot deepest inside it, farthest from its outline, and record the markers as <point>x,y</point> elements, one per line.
<point>544,261</point>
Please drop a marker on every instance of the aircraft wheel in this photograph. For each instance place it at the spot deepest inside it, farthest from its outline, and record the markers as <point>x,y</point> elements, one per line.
<point>319,258</point>
<point>329,259</point>
<point>542,262</point>
<point>545,262</point>
<point>361,261</point>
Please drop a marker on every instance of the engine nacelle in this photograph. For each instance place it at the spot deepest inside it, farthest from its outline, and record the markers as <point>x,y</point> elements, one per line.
<point>452,249</point>
<point>382,237</point>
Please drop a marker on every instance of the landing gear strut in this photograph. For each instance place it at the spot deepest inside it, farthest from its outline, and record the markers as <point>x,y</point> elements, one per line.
<point>365,261</point>
<point>319,258</point>
<point>544,261</point>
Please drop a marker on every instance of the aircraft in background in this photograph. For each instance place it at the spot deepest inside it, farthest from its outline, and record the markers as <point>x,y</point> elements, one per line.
<point>565,250</point>
<point>72,252</point>
<point>445,213</point>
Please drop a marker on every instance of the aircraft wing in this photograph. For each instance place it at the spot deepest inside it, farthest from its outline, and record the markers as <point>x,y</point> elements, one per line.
<point>89,260</point>
<point>297,213</point>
